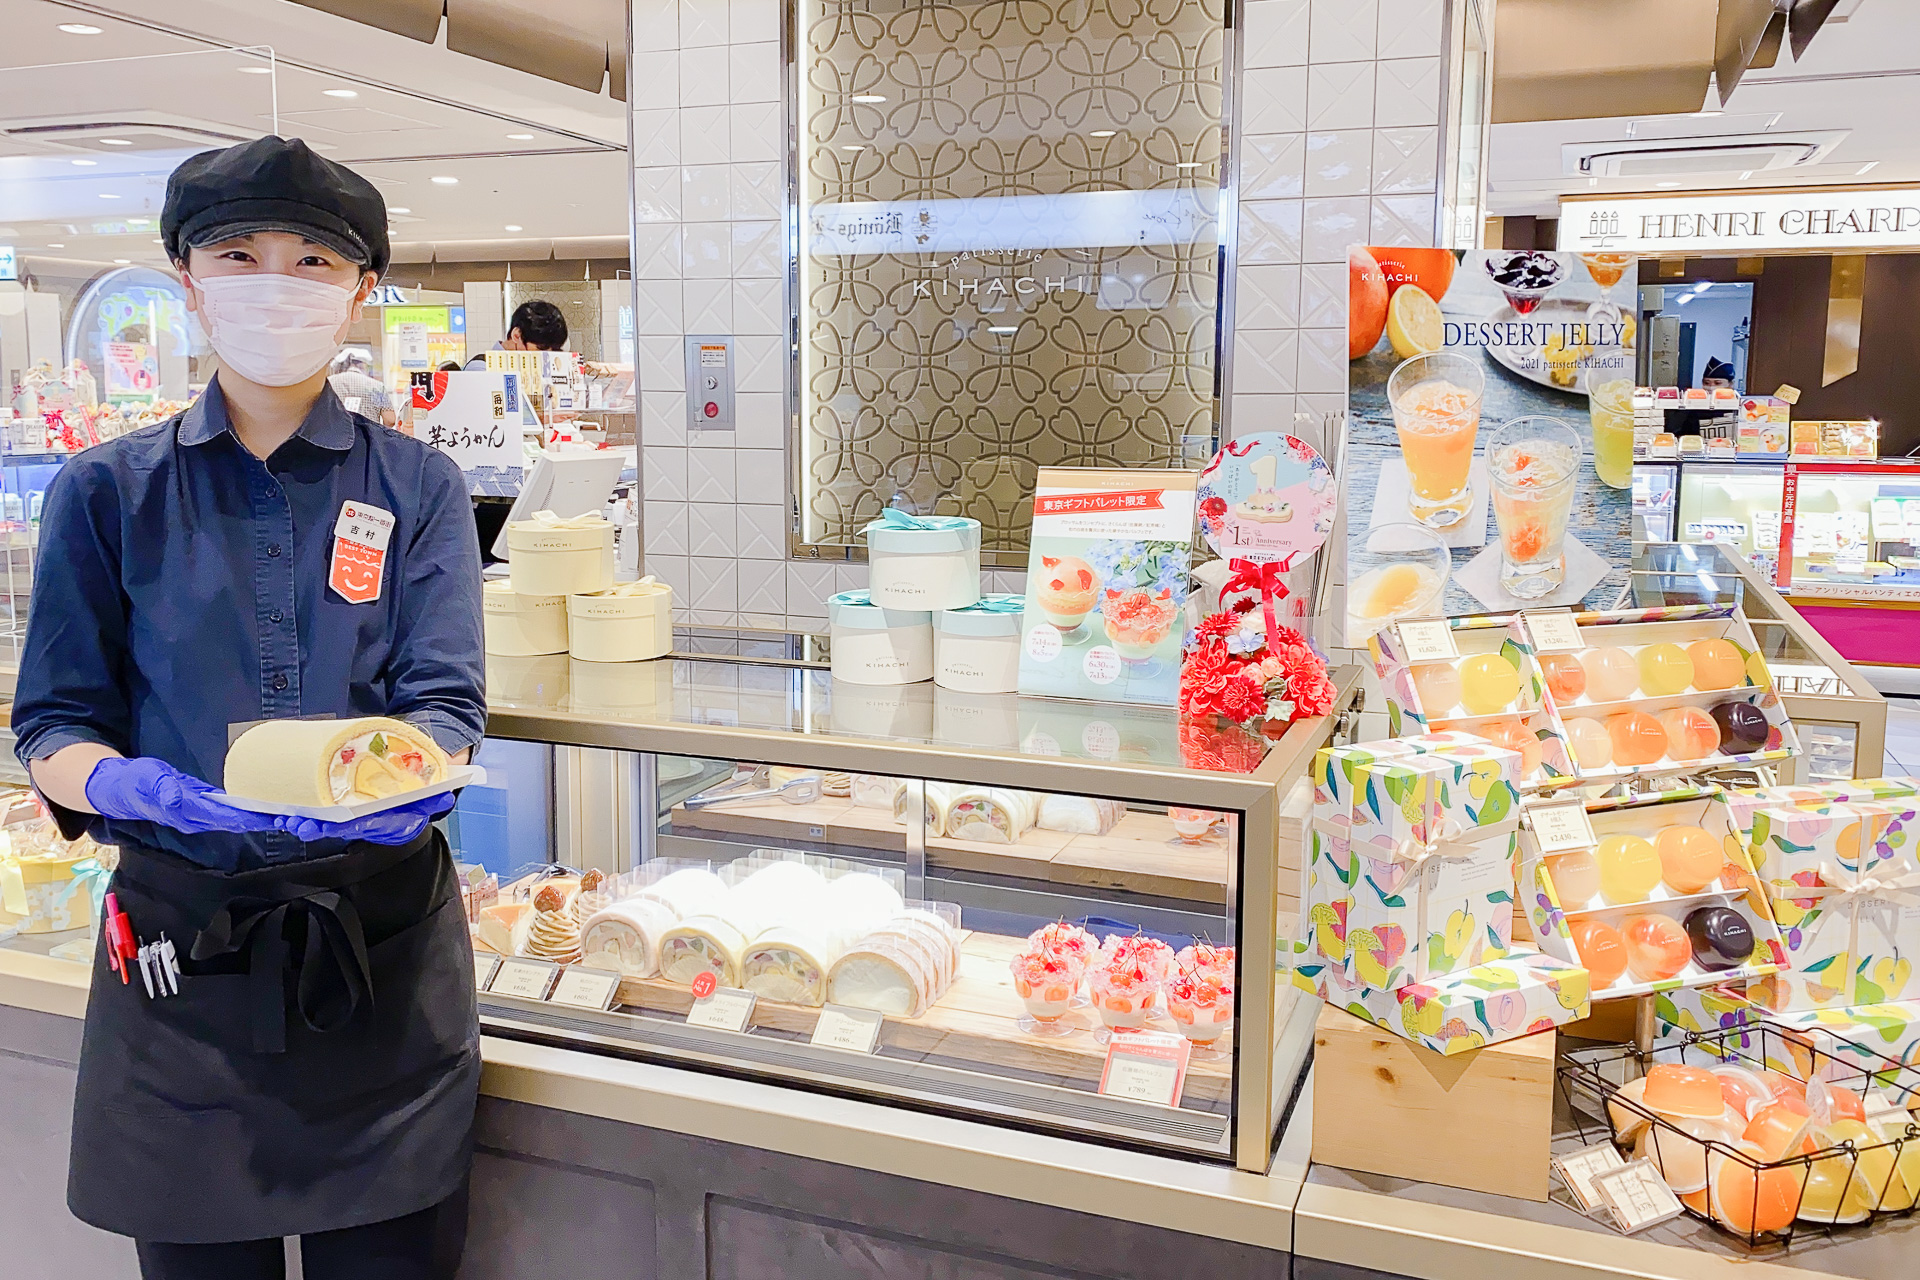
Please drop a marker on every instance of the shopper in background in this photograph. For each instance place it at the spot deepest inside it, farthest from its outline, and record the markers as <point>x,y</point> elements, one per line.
<point>316,1073</point>
<point>353,381</point>
<point>535,326</point>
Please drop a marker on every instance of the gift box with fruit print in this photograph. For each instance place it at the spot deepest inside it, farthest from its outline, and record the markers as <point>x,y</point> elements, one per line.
<point>1742,803</point>
<point>1432,843</point>
<point>1723,1007</point>
<point>1844,887</point>
<point>1516,995</point>
<point>1861,1037</point>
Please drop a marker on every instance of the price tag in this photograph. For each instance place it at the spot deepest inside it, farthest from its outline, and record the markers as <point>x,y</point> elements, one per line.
<point>1578,1169</point>
<point>585,988</point>
<point>1559,827</point>
<point>1637,1196</point>
<point>1146,1067</point>
<point>855,1030</point>
<point>528,979</point>
<point>484,967</point>
<point>727,1009</point>
<point>1426,640</point>
<point>1554,632</point>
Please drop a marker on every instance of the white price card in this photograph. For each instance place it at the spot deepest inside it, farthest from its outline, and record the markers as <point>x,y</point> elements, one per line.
<point>1426,640</point>
<point>1578,1169</point>
<point>1637,1196</point>
<point>484,967</point>
<point>727,1009</point>
<point>855,1030</point>
<point>1559,827</point>
<point>528,979</point>
<point>1554,632</point>
<point>1146,1066</point>
<point>585,988</point>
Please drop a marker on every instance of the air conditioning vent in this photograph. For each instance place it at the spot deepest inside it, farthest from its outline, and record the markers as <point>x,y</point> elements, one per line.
<point>1672,157</point>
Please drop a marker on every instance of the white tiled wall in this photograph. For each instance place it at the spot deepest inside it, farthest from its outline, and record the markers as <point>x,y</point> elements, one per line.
<point>1340,106</point>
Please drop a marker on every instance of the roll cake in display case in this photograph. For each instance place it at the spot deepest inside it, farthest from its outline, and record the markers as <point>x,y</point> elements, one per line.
<point>625,936</point>
<point>702,944</point>
<point>331,762</point>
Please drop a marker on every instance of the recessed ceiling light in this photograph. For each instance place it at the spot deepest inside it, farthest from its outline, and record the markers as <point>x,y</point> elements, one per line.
<point>1102,133</point>
<point>1865,168</point>
<point>108,195</point>
<point>256,71</point>
<point>399,209</point>
<point>113,142</point>
<point>445,181</point>
<point>341,93</point>
<point>79,29</point>
<point>853,148</point>
<point>520,137</point>
<point>869,97</point>
<point>513,226</point>
<point>83,162</point>
<point>56,246</point>
<point>122,261</point>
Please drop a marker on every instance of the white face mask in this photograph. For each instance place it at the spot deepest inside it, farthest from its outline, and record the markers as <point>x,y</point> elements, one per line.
<point>272,329</point>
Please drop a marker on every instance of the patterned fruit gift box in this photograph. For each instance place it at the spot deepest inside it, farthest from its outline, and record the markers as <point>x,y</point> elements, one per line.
<point>1520,993</point>
<point>1844,887</point>
<point>1742,803</point>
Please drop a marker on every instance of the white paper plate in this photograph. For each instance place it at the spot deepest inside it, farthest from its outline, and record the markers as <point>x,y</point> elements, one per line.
<point>460,776</point>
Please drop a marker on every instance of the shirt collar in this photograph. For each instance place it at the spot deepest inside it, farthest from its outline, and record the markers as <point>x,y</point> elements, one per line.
<point>327,424</point>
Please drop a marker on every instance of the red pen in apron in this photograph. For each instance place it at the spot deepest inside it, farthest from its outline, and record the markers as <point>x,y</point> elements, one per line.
<point>120,944</point>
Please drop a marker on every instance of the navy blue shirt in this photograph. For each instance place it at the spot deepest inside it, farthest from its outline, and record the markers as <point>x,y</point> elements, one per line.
<point>182,587</point>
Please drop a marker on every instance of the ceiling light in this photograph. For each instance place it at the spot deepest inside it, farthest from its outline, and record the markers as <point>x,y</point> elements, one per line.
<point>83,162</point>
<point>108,195</point>
<point>256,71</point>
<point>56,246</point>
<point>121,262</point>
<point>1188,164</point>
<point>341,93</point>
<point>1867,167</point>
<point>1003,328</point>
<point>869,97</point>
<point>1102,133</point>
<point>513,226</point>
<point>398,209</point>
<point>79,29</point>
<point>113,142</point>
<point>520,137</point>
<point>445,181</point>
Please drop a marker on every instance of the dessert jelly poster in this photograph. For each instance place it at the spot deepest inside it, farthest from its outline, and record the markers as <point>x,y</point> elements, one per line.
<point>1107,585</point>
<point>1445,350</point>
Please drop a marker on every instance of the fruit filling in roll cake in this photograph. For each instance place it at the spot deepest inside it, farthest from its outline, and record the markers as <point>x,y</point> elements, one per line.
<point>939,805</point>
<point>702,944</point>
<point>992,815</point>
<point>789,963</point>
<point>329,762</point>
<point>625,937</point>
<point>1079,815</point>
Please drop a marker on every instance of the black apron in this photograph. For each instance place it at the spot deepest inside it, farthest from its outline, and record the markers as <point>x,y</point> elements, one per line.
<point>318,1069</point>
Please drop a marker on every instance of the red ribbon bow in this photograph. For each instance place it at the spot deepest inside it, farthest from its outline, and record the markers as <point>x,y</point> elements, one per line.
<point>1264,578</point>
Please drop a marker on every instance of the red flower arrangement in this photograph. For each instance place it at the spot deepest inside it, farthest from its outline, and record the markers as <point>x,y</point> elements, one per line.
<point>1233,670</point>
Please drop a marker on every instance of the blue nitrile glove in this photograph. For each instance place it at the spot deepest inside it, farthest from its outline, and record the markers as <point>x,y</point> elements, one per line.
<point>154,791</point>
<point>392,826</point>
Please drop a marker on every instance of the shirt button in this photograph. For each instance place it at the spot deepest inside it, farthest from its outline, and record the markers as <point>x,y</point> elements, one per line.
<point>275,616</point>
<point>273,548</point>
<point>279,683</point>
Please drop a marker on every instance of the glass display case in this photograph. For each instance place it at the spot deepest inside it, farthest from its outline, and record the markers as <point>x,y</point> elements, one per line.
<point>1855,529</point>
<point>887,856</point>
<point>1841,717</point>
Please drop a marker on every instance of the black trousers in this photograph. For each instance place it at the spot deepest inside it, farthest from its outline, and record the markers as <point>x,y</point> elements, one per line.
<point>421,1246</point>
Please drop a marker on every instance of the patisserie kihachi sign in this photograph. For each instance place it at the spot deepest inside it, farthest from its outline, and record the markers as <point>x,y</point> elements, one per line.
<point>1106,585</point>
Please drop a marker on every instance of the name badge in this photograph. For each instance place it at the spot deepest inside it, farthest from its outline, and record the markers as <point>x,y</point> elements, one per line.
<point>359,552</point>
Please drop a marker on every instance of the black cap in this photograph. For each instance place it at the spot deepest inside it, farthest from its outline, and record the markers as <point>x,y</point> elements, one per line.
<point>274,184</point>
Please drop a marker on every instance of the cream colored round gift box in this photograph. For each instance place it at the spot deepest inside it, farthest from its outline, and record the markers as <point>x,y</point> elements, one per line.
<point>520,626</point>
<point>552,557</point>
<point>629,623</point>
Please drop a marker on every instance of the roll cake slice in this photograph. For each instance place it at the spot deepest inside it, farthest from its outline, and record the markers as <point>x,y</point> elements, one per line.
<point>789,963</point>
<point>625,937</point>
<point>991,815</point>
<point>329,762</point>
<point>1079,815</point>
<point>886,975</point>
<point>702,944</point>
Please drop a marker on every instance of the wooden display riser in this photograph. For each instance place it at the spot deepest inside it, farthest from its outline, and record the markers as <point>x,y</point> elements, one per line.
<point>974,1022</point>
<point>1140,855</point>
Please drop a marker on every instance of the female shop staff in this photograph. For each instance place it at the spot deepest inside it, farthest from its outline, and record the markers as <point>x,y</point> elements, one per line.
<point>316,1074</point>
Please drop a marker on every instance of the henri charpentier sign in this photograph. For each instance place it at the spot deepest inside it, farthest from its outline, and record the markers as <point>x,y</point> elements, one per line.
<point>1814,220</point>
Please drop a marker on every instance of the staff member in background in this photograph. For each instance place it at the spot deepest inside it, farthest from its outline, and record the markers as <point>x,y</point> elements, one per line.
<point>316,1074</point>
<point>535,326</point>
<point>353,381</point>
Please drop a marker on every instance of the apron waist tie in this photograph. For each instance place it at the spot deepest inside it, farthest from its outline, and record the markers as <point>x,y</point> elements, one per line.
<point>336,948</point>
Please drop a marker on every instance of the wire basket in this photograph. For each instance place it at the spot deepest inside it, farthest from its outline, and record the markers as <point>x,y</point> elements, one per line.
<point>1844,1147</point>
